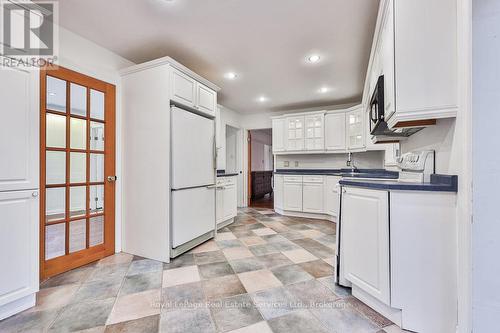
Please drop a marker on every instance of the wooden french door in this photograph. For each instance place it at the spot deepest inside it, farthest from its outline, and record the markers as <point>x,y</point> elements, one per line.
<point>77,170</point>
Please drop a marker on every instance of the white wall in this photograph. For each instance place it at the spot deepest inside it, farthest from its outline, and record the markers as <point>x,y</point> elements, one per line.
<point>232,149</point>
<point>366,160</point>
<point>81,55</point>
<point>486,166</point>
<point>441,138</point>
<point>225,117</point>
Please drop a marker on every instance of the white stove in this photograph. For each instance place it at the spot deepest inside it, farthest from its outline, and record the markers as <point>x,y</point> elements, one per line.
<point>417,166</point>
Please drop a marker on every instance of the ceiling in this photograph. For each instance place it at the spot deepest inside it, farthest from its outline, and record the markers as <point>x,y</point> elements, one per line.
<point>265,42</point>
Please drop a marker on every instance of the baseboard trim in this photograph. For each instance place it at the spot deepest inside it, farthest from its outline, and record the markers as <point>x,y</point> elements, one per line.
<point>394,315</point>
<point>306,215</point>
<point>12,308</point>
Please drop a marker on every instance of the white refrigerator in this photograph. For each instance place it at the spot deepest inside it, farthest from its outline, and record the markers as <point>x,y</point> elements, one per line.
<point>193,178</point>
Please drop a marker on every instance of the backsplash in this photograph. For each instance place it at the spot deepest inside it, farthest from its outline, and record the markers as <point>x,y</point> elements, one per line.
<point>366,160</point>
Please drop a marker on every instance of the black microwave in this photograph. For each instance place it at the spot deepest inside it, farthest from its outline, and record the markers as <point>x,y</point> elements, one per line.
<point>377,108</point>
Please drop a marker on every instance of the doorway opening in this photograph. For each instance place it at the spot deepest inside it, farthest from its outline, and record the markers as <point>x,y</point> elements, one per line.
<point>260,168</point>
<point>234,158</point>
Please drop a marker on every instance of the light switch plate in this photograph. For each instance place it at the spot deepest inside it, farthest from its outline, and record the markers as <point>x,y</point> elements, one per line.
<point>296,163</point>
<point>286,164</point>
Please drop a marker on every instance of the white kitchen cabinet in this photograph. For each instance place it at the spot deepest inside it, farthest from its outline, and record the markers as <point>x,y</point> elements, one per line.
<point>295,133</point>
<point>313,194</point>
<point>292,193</point>
<point>278,192</point>
<point>206,99</point>
<point>183,88</point>
<point>219,205</point>
<point>19,237</point>
<point>189,92</point>
<point>355,123</point>
<point>230,200</point>
<point>387,61</point>
<point>19,129</point>
<point>227,200</point>
<point>365,239</point>
<point>415,48</point>
<point>335,131</point>
<point>332,195</point>
<point>279,135</point>
<point>314,132</point>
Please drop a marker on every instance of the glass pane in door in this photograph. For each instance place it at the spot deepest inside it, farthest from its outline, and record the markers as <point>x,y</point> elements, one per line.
<point>77,195</point>
<point>96,168</point>
<point>96,104</point>
<point>78,100</point>
<point>55,204</point>
<point>56,131</point>
<point>77,235</point>
<point>96,136</point>
<point>55,241</point>
<point>56,94</point>
<point>55,172</point>
<point>96,233</point>
<point>96,199</point>
<point>78,168</point>
<point>78,132</point>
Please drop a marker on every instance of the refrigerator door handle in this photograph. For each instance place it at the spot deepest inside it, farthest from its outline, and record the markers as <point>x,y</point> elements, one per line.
<point>215,152</point>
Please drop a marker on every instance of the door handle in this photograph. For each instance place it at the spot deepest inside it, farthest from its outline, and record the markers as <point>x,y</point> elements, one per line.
<point>112,179</point>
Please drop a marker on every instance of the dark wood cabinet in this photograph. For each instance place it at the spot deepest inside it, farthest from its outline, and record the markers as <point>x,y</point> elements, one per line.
<point>261,183</point>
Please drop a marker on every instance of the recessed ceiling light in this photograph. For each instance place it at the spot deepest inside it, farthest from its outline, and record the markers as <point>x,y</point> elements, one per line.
<point>313,58</point>
<point>324,90</point>
<point>230,76</point>
<point>262,99</point>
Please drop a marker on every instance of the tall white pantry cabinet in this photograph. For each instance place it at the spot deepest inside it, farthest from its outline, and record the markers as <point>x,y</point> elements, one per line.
<point>19,186</point>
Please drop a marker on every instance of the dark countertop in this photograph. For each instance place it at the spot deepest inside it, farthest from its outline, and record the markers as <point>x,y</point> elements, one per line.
<point>222,173</point>
<point>360,173</point>
<point>438,183</point>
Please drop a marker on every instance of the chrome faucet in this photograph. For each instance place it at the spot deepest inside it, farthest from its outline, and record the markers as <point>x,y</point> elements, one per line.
<point>350,162</point>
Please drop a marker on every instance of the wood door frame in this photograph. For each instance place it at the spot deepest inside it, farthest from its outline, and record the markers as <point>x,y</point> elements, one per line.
<point>249,166</point>
<point>70,261</point>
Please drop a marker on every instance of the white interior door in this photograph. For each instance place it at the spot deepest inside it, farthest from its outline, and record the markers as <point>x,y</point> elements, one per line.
<point>193,150</point>
<point>193,214</point>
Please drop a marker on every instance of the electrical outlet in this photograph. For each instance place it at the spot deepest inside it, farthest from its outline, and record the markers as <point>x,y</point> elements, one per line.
<point>296,163</point>
<point>286,164</point>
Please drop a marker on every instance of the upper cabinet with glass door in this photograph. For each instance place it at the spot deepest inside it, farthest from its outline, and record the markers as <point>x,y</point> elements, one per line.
<point>355,129</point>
<point>314,132</point>
<point>328,132</point>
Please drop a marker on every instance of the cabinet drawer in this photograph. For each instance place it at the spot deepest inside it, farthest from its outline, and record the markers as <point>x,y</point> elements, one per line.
<point>292,179</point>
<point>313,179</point>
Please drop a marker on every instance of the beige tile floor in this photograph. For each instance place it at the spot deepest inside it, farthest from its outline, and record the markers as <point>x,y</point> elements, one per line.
<point>264,273</point>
